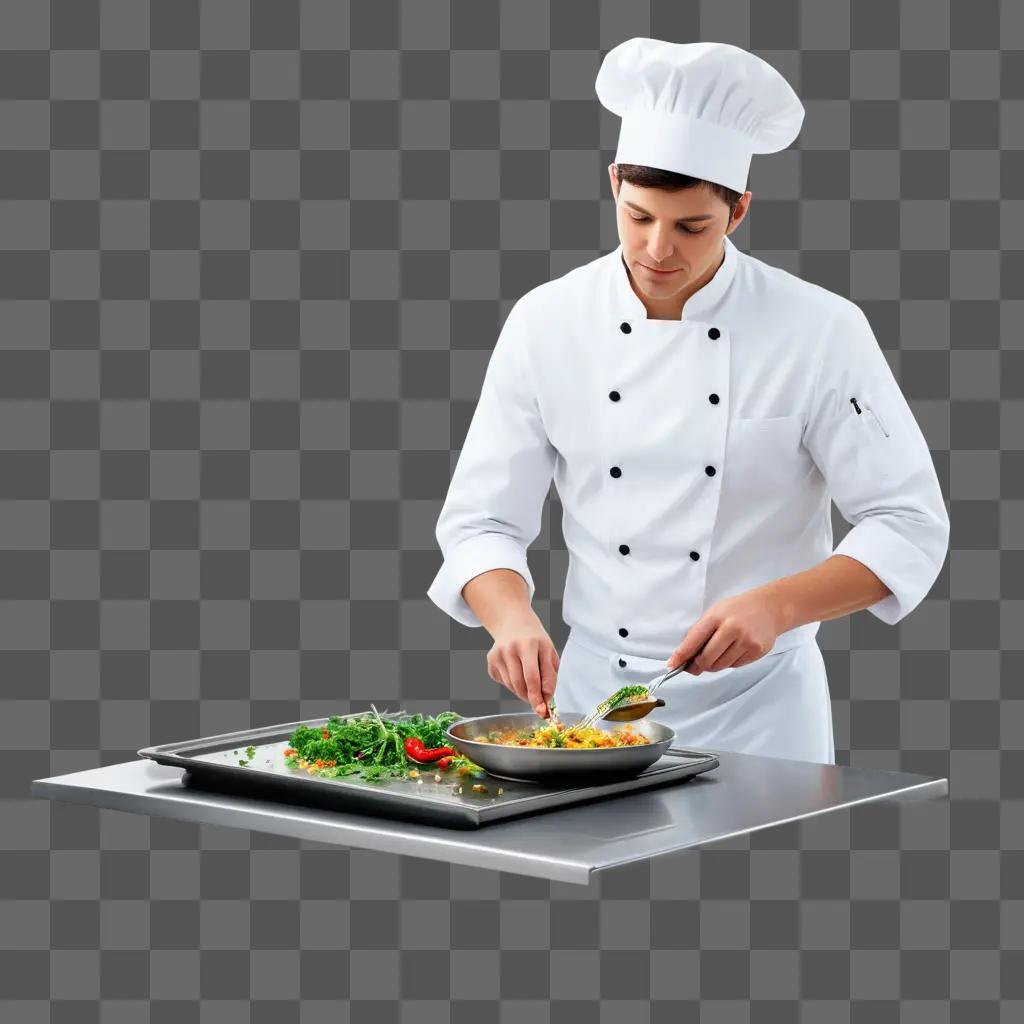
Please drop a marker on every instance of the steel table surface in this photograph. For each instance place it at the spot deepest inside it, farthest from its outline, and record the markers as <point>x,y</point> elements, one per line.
<point>744,793</point>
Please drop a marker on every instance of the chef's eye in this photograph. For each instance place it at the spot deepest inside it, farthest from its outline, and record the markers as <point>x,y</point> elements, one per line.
<point>689,231</point>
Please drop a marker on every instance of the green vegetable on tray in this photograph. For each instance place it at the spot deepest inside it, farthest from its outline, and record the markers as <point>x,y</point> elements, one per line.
<point>374,747</point>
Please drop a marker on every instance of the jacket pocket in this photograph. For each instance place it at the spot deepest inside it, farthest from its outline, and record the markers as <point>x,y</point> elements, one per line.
<point>862,408</point>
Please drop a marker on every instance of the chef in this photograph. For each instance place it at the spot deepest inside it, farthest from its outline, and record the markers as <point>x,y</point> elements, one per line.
<point>698,411</point>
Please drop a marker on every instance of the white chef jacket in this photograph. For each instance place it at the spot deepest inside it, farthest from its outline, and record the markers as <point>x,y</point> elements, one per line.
<point>694,459</point>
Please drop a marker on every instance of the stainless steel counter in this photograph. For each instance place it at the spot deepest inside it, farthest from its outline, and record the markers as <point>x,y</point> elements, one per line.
<point>743,794</point>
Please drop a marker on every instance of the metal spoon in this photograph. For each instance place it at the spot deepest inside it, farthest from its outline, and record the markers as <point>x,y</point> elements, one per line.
<point>631,710</point>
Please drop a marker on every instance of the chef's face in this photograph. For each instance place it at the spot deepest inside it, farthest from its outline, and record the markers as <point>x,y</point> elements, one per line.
<point>672,240</point>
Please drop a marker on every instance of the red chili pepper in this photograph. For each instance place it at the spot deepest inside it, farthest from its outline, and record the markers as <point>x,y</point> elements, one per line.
<point>444,761</point>
<point>424,755</point>
<point>326,734</point>
<point>436,753</point>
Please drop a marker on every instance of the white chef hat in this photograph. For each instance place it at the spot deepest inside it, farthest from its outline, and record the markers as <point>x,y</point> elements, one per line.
<point>701,109</point>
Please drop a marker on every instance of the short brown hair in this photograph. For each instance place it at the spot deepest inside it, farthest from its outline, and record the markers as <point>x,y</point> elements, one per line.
<point>670,181</point>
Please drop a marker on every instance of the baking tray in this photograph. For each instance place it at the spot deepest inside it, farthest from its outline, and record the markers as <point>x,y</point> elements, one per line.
<point>211,763</point>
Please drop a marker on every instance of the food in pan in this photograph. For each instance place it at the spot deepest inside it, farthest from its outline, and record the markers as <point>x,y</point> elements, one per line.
<point>560,735</point>
<point>378,748</point>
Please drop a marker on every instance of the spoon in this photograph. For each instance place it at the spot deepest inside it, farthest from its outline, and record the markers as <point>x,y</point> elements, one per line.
<point>639,707</point>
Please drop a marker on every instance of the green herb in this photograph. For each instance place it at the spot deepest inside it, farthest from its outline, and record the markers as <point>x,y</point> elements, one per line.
<point>624,695</point>
<point>371,744</point>
<point>250,753</point>
<point>461,765</point>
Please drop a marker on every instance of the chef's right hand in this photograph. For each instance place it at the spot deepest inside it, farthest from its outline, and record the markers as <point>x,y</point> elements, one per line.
<point>524,659</point>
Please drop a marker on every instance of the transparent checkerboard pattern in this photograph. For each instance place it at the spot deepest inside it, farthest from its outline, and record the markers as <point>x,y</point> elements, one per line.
<point>253,259</point>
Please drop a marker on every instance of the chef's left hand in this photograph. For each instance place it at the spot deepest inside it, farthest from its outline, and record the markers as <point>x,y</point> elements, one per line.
<point>732,632</point>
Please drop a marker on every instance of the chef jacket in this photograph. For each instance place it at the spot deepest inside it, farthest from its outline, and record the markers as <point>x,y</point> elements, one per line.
<point>694,459</point>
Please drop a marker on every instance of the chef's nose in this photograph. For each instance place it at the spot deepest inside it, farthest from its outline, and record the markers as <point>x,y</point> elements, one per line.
<point>659,249</point>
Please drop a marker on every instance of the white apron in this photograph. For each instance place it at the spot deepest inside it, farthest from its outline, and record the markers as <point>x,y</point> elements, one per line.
<point>777,706</point>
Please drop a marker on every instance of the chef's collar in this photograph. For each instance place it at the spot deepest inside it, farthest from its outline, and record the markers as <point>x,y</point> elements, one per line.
<point>696,307</point>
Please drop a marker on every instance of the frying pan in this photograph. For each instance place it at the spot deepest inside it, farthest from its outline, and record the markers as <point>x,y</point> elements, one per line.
<point>556,765</point>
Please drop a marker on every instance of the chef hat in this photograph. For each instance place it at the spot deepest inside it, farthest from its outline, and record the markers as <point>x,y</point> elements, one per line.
<point>701,109</point>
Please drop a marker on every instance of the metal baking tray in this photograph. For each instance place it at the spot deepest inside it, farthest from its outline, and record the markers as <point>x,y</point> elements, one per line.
<point>211,763</point>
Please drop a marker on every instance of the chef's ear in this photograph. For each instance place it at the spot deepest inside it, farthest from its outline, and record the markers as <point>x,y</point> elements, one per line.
<point>613,179</point>
<point>742,206</point>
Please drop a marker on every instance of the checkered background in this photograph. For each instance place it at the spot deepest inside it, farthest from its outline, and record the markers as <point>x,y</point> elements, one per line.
<point>254,260</point>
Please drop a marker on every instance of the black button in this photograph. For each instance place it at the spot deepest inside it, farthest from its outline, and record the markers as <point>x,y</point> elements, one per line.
<point>713,399</point>
<point>694,555</point>
<point>710,470</point>
<point>615,471</point>
<point>622,663</point>
<point>623,631</point>
<point>614,395</point>
<point>714,333</point>
<point>623,549</point>
<point>625,328</point>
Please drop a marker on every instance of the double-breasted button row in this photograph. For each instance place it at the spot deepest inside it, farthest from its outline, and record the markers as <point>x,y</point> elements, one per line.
<point>714,333</point>
<point>616,472</point>
<point>615,397</point>
<point>624,550</point>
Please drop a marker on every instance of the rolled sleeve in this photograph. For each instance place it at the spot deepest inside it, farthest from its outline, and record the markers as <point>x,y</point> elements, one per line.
<point>469,558</point>
<point>493,509</point>
<point>877,466</point>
